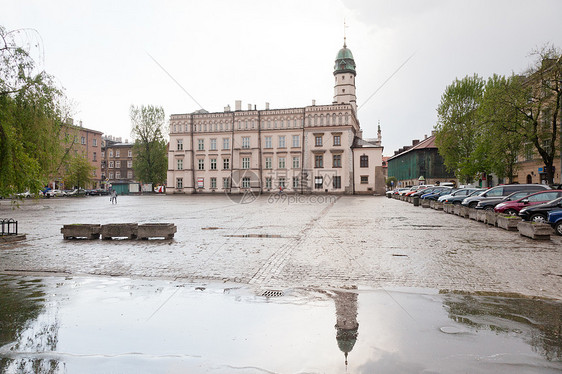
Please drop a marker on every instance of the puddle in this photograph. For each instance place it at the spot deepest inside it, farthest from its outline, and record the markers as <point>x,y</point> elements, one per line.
<point>97,325</point>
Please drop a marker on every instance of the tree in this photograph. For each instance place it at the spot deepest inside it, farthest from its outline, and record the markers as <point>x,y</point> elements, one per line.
<point>151,161</point>
<point>457,129</point>
<point>537,98</point>
<point>391,182</point>
<point>500,142</point>
<point>31,117</point>
<point>78,172</point>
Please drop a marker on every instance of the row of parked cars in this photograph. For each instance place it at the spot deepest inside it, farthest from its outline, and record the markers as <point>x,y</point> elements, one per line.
<point>48,192</point>
<point>531,202</point>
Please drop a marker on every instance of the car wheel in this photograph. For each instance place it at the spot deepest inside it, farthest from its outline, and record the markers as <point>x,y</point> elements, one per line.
<point>511,212</point>
<point>473,204</point>
<point>558,228</point>
<point>537,218</point>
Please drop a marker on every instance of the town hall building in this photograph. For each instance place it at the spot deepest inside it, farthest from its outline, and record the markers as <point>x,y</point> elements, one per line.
<point>313,149</point>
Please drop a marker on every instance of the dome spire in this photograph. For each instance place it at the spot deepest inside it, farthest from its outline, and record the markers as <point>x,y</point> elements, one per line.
<point>344,36</point>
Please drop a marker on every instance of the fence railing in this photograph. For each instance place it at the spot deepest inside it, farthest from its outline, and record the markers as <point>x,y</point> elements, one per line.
<point>9,226</point>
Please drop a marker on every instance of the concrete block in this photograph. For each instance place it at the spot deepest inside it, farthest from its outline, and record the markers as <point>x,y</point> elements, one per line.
<point>537,231</point>
<point>491,218</point>
<point>157,230</point>
<point>119,230</point>
<point>508,222</point>
<point>87,231</point>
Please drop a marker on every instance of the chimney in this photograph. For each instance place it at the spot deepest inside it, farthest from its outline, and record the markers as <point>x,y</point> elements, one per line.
<point>238,105</point>
<point>415,142</point>
<point>313,102</point>
<point>249,106</point>
<point>424,136</point>
<point>266,106</point>
<point>255,107</point>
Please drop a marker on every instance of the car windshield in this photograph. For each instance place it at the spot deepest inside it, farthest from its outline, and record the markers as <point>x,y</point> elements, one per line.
<point>477,192</point>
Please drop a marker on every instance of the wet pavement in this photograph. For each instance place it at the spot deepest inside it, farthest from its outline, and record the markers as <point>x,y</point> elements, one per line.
<point>400,288</point>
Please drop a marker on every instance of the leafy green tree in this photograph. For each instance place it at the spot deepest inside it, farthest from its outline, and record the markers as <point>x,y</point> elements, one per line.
<point>537,98</point>
<point>78,172</point>
<point>391,181</point>
<point>150,149</point>
<point>458,129</point>
<point>31,113</point>
<point>500,142</point>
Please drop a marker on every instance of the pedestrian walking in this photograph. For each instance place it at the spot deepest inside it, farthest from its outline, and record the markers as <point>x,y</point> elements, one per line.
<point>113,197</point>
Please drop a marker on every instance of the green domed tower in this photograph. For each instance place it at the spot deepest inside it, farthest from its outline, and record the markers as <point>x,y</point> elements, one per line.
<point>344,73</point>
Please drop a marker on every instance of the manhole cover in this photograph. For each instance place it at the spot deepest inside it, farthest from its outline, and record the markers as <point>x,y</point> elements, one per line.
<point>272,293</point>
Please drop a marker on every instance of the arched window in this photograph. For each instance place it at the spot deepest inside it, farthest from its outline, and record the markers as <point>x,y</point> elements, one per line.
<point>334,119</point>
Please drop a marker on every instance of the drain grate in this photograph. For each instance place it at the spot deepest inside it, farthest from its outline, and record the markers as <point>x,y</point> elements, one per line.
<point>273,293</point>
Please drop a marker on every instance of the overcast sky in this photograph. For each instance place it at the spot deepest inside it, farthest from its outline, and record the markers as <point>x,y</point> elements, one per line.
<point>281,52</point>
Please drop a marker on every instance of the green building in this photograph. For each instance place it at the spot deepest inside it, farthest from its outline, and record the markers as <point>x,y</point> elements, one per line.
<point>419,163</point>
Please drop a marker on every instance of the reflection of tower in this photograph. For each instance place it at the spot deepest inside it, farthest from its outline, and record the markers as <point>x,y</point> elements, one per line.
<point>346,317</point>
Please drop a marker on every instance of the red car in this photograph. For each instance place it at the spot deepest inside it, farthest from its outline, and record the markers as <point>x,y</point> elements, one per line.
<point>513,207</point>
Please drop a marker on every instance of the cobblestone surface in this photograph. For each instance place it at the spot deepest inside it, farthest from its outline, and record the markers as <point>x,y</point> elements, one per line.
<point>319,241</point>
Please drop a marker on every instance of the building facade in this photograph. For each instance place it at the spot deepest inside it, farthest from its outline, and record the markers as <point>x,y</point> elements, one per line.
<point>117,165</point>
<point>316,148</point>
<point>419,163</point>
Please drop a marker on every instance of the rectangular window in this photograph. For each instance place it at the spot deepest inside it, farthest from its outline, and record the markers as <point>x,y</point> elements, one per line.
<point>179,183</point>
<point>337,140</point>
<point>102,154</point>
<point>111,153</point>
<point>296,141</point>
<point>117,153</point>
<point>94,173</point>
<point>200,144</point>
<point>281,141</point>
<point>117,164</point>
<point>225,143</point>
<point>318,161</point>
<point>296,162</point>
<point>83,140</point>
<point>318,182</point>
<point>95,156</point>
<point>245,162</point>
<point>180,164</point>
<point>268,163</point>
<point>213,182</point>
<point>130,174</point>
<point>246,182</point>
<point>268,182</point>
<point>130,153</point>
<point>364,161</point>
<point>337,182</point>
<point>111,164</point>
<point>201,164</point>
<point>213,144</point>
<point>129,164</point>
<point>336,161</point>
<point>95,142</point>
<point>226,163</point>
<point>180,144</point>
<point>213,164</point>
<point>268,142</point>
<point>282,182</point>
<point>246,142</point>
<point>318,141</point>
<point>364,179</point>
<point>281,162</point>
<point>110,175</point>
<point>296,182</point>
<point>226,182</point>
<point>117,175</point>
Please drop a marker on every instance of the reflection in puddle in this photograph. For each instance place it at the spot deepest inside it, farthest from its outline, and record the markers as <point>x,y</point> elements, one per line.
<point>95,325</point>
